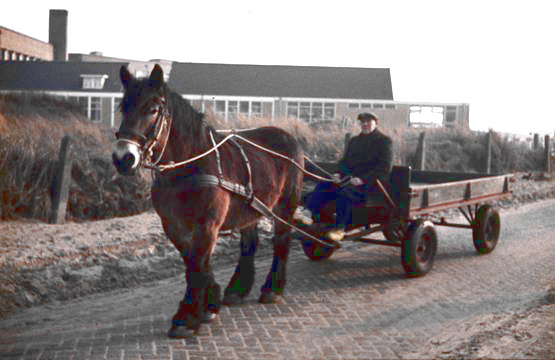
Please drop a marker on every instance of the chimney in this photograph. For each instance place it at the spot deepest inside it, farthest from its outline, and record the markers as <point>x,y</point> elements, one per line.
<point>58,34</point>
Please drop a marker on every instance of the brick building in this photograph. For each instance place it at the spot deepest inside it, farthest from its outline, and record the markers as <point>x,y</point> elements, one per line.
<point>310,93</point>
<point>15,46</point>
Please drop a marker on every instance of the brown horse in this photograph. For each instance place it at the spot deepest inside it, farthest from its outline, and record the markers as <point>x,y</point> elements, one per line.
<point>159,128</point>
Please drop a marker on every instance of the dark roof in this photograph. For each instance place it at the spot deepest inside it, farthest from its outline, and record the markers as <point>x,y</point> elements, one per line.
<point>210,79</point>
<point>281,81</point>
<point>56,76</point>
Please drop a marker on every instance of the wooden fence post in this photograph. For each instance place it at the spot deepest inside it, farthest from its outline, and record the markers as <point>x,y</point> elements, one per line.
<point>61,182</point>
<point>347,138</point>
<point>547,154</point>
<point>489,138</point>
<point>421,152</point>
<point>536,144</point>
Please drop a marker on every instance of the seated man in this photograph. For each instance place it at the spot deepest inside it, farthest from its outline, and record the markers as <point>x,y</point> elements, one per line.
<point>368,157</point>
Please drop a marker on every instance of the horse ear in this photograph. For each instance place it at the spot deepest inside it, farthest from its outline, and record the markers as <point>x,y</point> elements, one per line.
<point>157,77</point>
<point>125,76</point>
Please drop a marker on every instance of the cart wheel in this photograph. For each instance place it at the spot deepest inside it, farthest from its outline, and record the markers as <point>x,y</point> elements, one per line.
<point>419,249</point>
<point>316,251</point>
<point>485,232</point>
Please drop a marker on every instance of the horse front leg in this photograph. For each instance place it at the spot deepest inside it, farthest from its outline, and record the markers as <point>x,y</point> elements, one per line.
<point>242,280</point>
<point>203,296</point>
<point>272,290</point>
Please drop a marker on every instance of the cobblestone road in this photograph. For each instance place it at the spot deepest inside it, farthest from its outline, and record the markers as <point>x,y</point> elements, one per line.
<point>357,305</point>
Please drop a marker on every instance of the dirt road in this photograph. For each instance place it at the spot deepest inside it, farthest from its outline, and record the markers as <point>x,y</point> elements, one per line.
<point>357,305</point>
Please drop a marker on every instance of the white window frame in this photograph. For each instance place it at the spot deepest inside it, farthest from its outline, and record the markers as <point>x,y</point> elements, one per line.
<point>93,81</point>
<point>309,110</point>
<point>95,109</point>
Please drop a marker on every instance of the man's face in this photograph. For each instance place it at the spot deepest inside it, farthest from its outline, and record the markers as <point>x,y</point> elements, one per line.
<point>368,126</point>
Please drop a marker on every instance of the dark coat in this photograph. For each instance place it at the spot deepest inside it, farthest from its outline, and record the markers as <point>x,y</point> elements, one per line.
<point>369,157</point>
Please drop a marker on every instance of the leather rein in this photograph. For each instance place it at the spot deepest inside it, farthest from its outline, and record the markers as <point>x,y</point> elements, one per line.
<point>164,120</point>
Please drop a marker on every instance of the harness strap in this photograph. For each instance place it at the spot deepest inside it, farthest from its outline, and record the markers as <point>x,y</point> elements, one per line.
<point>218,159</point>
<point>249,189</point>
<point>256,204</point>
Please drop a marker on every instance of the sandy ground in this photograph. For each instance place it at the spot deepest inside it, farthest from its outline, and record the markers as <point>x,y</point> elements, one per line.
<point>42,263</point>
<point>523,334</point>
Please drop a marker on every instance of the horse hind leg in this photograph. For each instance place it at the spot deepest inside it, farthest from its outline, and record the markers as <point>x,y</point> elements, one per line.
<point>272,290</point>
<point>242,280</point>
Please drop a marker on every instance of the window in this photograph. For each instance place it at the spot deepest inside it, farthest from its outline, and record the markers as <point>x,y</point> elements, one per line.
<point>244,107</point>
<point>366,105</point>
<point>232,106</point>
<point>316,112</point>
<point>329,111</point>
<point>390,106</point>
<point>425,116</point>
<point>96,109</point>
<point>220,106</point>
<point>93,81</point>
<point>84,105</point>
<point>450,115</point>
<point>256,108</point>
<point>378,106</point>
<point>232,109</point>
<point>354,105</point>
<point>304,111</point>
<point>292,109</point>
<point>311,112</point>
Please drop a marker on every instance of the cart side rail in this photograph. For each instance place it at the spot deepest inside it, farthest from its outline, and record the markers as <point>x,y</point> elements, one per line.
<point>428,198</point>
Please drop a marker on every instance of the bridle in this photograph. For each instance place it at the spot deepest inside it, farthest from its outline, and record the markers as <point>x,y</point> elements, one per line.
<point>164,120</point>
<point>148,142</point>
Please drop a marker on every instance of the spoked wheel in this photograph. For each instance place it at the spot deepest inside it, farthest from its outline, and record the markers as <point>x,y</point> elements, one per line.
<point>313,249</point>
<point>419,249</point>
<point>487,226</point>
<point>316,251</point>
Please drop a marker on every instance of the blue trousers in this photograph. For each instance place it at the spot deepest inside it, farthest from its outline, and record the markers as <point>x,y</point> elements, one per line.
<point>345,197</point>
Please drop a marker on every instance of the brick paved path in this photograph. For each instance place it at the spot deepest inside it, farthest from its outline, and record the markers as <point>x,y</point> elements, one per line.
<point>357,305</point>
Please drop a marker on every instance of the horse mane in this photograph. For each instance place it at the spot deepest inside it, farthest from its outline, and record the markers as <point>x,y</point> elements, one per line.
<point>186,119</point>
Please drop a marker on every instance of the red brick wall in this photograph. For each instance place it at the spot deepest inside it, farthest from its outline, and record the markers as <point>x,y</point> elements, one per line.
<point>21,44</point>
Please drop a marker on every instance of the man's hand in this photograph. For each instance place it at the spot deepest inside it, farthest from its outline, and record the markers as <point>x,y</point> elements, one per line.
<point>336,178</point>
<point>355,181</point>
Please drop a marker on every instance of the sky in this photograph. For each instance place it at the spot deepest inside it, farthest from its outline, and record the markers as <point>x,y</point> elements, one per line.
<point>497,56</point>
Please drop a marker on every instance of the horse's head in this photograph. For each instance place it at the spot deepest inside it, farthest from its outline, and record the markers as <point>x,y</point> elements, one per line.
<point>145,121</point>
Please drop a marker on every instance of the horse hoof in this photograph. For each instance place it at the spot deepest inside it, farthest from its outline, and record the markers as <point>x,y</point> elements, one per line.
<point>232,298</point>
<point>209,317</point>
<point>271,298</point>
<point>181,332</point>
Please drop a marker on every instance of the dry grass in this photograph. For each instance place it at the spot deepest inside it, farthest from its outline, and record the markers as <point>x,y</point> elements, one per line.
<point>32,126</point>
<point>447,149</point>
<point>31,130</point>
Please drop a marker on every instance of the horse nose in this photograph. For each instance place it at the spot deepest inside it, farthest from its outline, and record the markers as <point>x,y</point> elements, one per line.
<point>125,164</point>
<point>126,158</point>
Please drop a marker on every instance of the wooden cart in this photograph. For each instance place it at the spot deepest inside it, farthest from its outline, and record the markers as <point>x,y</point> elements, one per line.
<point>412,200</point>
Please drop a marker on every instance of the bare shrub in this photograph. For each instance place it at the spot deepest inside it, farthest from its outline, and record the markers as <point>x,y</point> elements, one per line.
<point>32,127</point>
<point>31,130</point>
